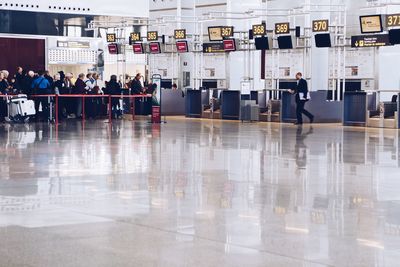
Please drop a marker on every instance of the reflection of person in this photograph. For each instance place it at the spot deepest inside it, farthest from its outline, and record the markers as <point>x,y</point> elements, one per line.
<point>300,148</point>
<point>302,97</point>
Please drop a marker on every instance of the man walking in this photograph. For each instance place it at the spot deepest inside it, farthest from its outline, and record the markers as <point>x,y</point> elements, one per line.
<point>302,97</point>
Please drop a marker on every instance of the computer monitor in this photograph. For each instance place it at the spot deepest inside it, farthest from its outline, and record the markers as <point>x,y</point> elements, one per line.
<point>323,40</point>
<point>262,43</point>
<point>285,42</point>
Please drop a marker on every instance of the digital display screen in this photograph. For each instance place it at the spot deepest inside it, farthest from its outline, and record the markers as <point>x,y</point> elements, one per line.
<point>113,49</point>
<point>229,45</point>
<point>213,48</point>
<point>259,30</point>
<point>180,34</point>
<point>320,25</point>
<point>182,47</point>
<point>135,36</point>
<point>215,34</point>
<point>371,24</point>
<point>282,28</point>
<point>155,48</point>
<point>152,36</point>
<point>111,38</point>
<point>138,48</point>
<point>227,31</point>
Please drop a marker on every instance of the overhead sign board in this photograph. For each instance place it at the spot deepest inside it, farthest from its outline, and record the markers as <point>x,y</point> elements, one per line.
<point>111,37</point>
<point>393,20</point>
<point>321,25</point>
<point>259,29</point>
<point>213,48</point>
<point>282,28</point>
<point>180,34</point>
<point>371,24</point>
<point>370,40</point>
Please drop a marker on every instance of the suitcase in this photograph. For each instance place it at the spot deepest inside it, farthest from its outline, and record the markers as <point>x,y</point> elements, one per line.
<point>20,105</point>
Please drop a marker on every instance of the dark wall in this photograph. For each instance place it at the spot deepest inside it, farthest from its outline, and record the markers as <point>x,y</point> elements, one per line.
<point>27,53</point>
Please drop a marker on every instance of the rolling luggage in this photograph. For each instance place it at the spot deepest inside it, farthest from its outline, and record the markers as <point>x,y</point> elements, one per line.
<point>20,108</point>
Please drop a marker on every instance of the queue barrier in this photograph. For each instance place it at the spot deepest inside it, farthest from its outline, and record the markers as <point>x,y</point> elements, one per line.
<point>83,97</point>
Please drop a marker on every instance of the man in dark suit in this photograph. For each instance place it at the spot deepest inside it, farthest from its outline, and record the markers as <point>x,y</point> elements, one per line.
<point>302,96</point>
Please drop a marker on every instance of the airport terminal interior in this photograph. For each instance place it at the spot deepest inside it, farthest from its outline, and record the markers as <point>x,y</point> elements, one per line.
<point>199,133</point>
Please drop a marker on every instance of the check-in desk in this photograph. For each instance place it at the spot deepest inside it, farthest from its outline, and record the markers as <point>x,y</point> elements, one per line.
<point>324,111</point>
<point>194,101</point>
<point>172,102</point>
<point>212,108</point>
<point>270,109</point>
<point>230,104</point>
<point>384,114</point>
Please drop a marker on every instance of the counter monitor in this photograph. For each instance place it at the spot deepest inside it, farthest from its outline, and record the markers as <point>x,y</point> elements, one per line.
<point>371,24</point>
<point>215,34</point>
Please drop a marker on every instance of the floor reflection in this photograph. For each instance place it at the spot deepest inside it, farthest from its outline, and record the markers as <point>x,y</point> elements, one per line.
<point>269,193</point>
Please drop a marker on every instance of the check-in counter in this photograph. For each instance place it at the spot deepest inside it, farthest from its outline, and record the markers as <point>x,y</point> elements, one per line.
<point>193,103</point>
<point>270,109</point>
<point>172,102</point>
<point>212,108</point>
<point>230,104</point>
<point>324,111</point>
<point>384,114</point>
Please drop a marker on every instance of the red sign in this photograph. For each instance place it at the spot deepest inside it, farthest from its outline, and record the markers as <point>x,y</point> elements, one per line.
<point>229,45</point>
<point>113,49</point>
<point>182,46</point>
<point>156,114</point>
<point>155,48</point>
<point>138,48</point>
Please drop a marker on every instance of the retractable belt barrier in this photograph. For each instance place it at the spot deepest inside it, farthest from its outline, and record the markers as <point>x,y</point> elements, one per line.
<point>109,97</point>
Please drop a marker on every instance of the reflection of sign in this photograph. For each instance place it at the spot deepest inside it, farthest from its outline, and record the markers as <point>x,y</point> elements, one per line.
<point>152,36</point>
<point>370,40</point>
<point>320,25</point>
<point>393,20</point>
<point>227,31</point>
<point>111,37</point>
<point>156,114</point>
<point>73,44</point>
<point>259,29</point>
<point>135,36</point>
<point>213,48</point>
<point>229,45</point>
<point>282,28</point>
<point>182,46</point>
<point>180,34</point>
<point>138,48</point>
<point>371,24</point>
<point>215,34</point>
<point>155,48</point>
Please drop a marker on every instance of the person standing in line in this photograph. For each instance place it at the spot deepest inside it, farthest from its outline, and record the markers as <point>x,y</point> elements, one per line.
<point>41,86</point>
<point>80,89</point>
<point>302,97</point>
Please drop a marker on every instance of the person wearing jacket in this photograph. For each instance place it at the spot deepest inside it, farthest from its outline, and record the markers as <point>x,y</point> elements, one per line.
<point>114,88</point>
<point>80,89</point>
<point>41,86</point>
<point>302,97</point>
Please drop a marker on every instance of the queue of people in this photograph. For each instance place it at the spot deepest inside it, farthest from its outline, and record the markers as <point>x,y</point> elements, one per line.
<point>43,83</point>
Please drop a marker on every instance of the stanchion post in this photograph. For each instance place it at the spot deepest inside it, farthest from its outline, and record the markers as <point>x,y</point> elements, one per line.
<point>56,110</point>
<point>83,108</point>
<point>109,109</point>
<point>133,99</point>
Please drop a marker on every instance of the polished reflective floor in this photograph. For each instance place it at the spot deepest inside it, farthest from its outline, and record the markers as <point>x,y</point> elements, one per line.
<point>198,193</point>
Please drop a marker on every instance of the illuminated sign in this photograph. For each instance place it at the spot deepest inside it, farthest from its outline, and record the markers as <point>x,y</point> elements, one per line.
<point>111,37</point>
<point>73,44</point>
<point>320,25</point>
<point>152,36</point>
<point>138,48</point>
<point>215,34</point>
<point>155,48</point>
<point>229,45</point>
<point>135,36</point>
<point>282,28</point>
<point>393,20</point>
<point>259,29</point>
<point>113,49</point>
<point>227,31</point>
<point>180,34</point>
<point>213,48</point>
<point>371,24</point>
<point>182,47</point>
<point>370,40</point>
